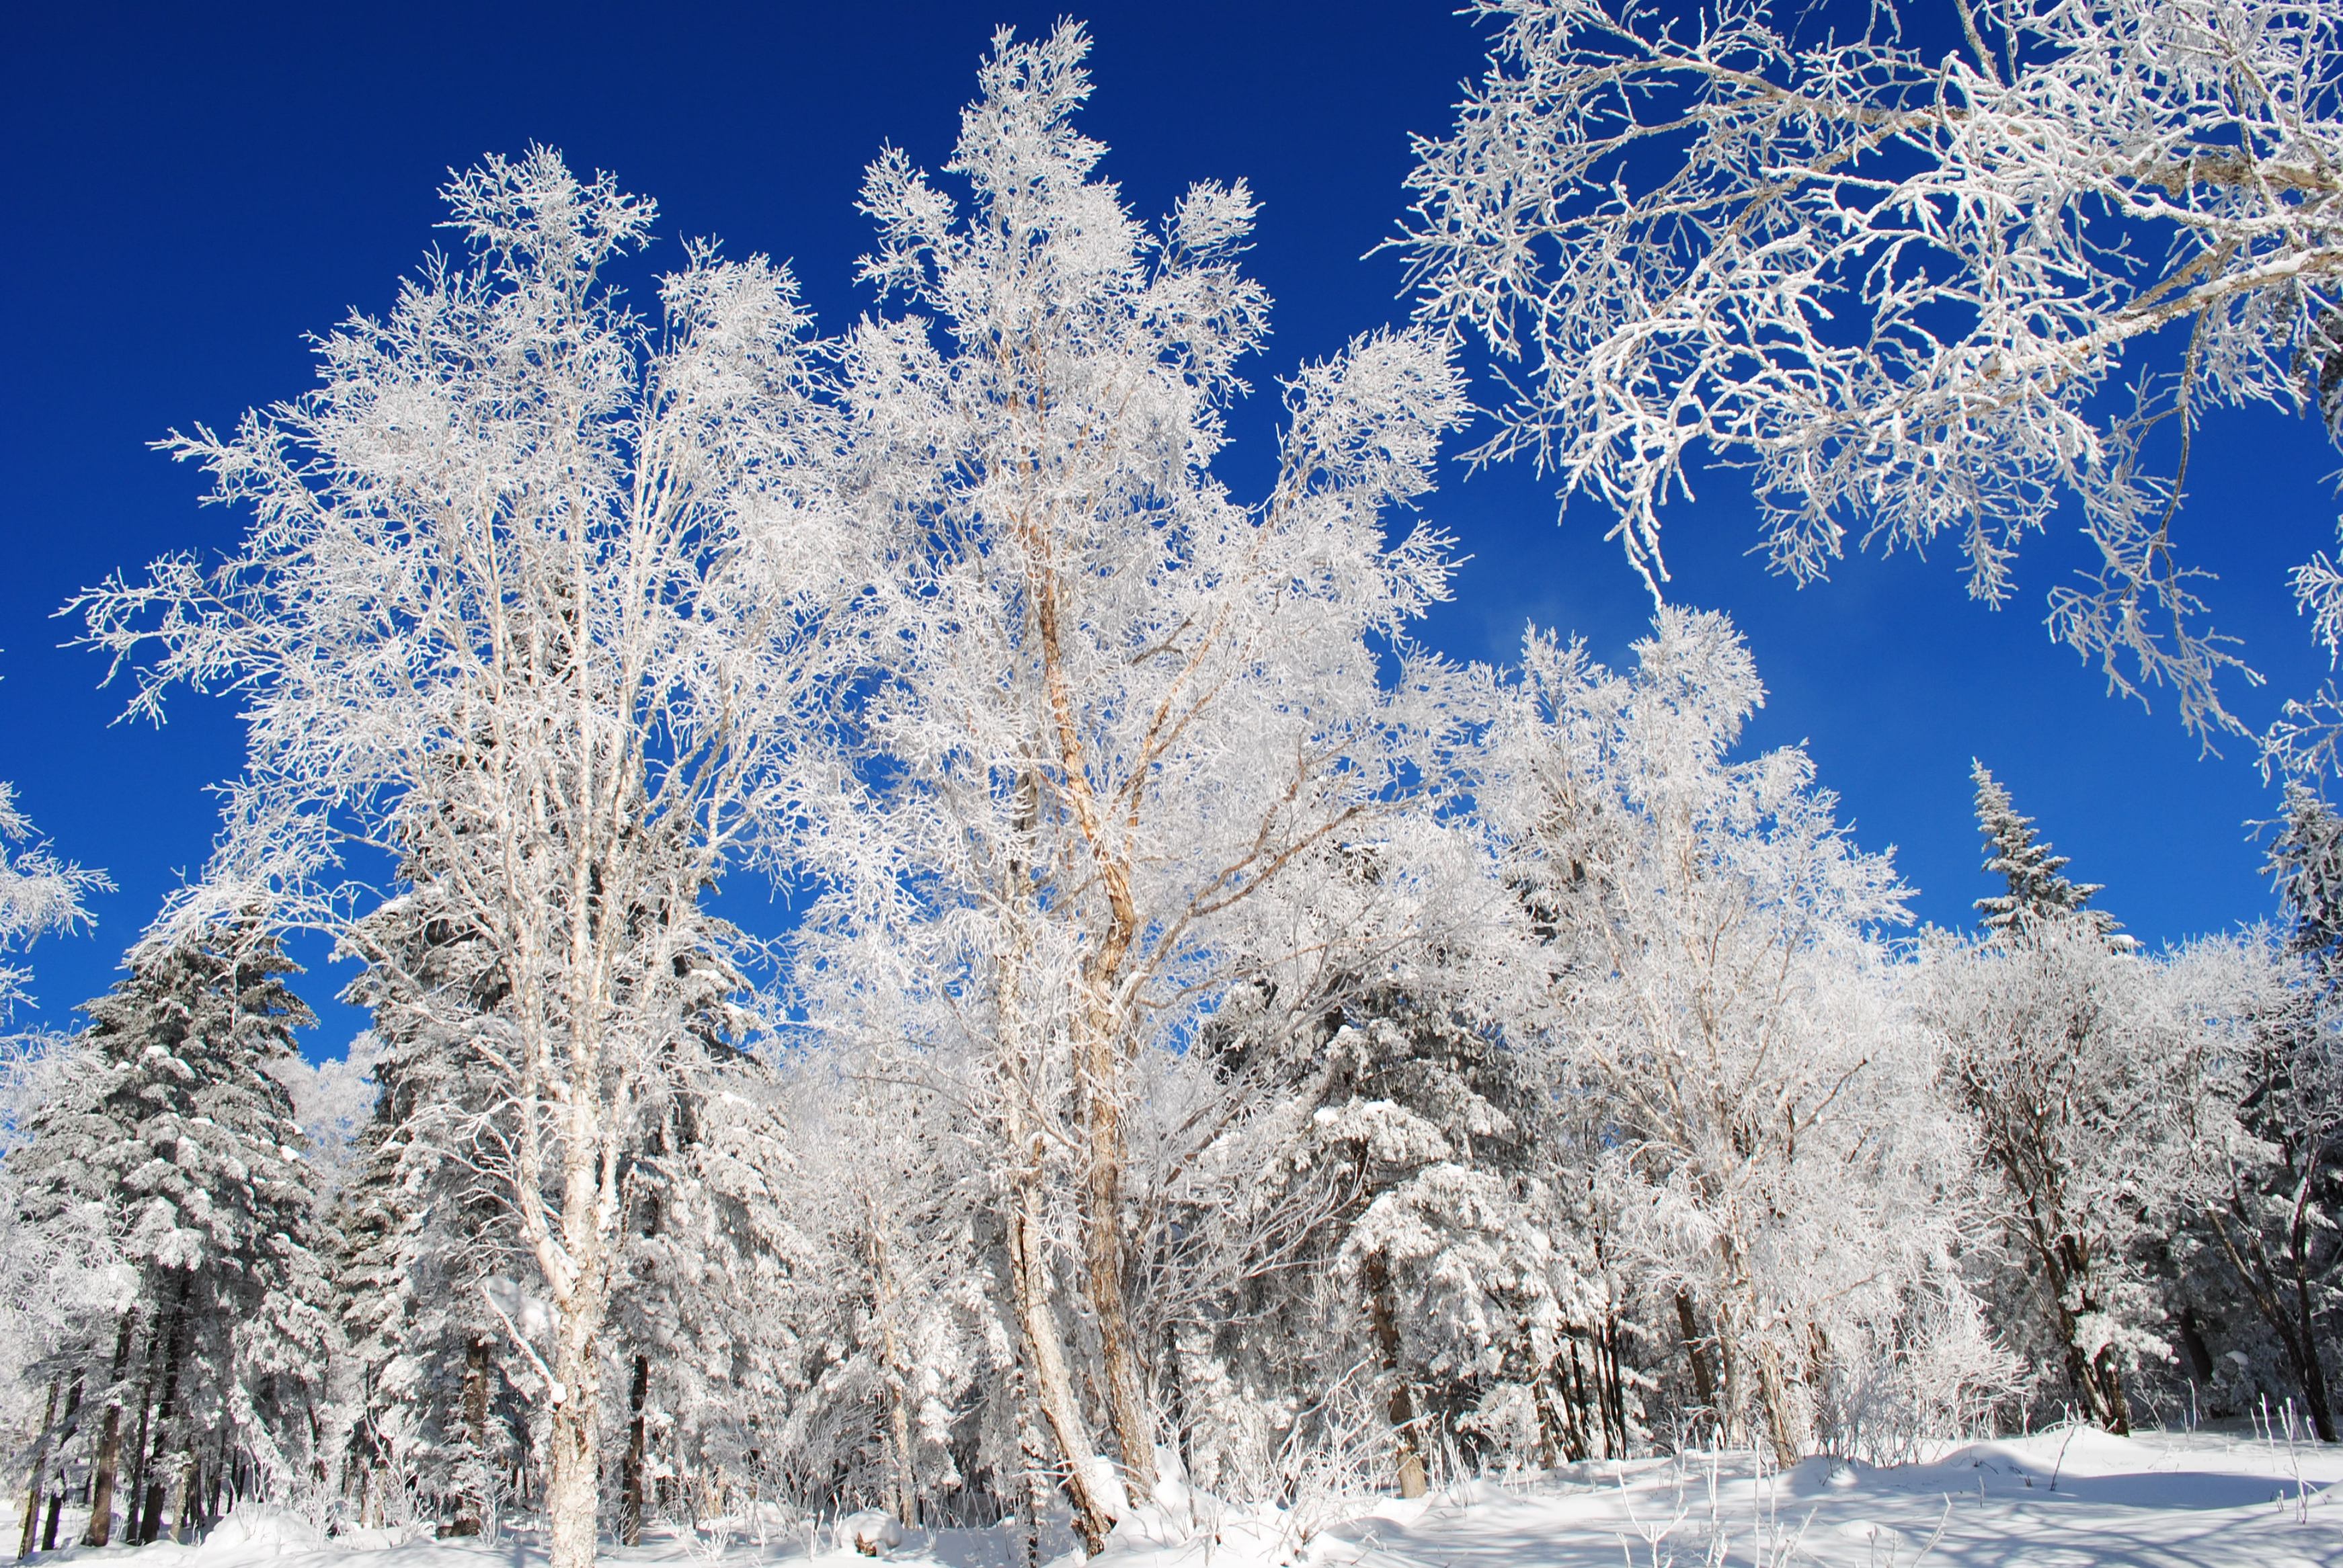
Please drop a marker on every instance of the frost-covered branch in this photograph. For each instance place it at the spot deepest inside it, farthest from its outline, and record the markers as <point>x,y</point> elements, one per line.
<point>1905,289</point>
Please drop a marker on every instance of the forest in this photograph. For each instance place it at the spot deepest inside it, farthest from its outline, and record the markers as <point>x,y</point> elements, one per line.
<point>1219,1044</point>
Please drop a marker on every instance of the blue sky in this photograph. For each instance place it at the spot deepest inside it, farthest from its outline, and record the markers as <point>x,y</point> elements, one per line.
<point>194,189</point>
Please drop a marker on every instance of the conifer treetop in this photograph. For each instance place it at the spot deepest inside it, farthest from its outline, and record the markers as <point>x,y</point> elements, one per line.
<point>2038,889</point>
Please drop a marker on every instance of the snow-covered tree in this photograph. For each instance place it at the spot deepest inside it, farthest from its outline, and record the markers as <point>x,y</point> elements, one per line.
<point>529,601</point>
<point>1404,1235</point>
<point>429,1400</point>
<point>39,893</point>
<point>1124,728</point>
<point>2037,889</point>
<point>2083,1068</point>
<point>2274,1212</point>
<point>1706,972</point>
<point>174,1141</point>
<point>54,1258</point>
<point>1925,280</point>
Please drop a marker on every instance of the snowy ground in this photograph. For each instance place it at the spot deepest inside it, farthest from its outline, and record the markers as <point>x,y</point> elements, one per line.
<point>2061,1499</point>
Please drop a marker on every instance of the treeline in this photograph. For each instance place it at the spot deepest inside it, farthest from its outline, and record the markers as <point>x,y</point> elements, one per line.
<point>1702,1156</point>
<point>1221,1043</point>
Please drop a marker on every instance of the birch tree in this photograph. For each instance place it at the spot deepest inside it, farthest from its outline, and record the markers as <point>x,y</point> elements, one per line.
<point>525,607</point>
<point>1125,720</point>
<point>1926,292</point>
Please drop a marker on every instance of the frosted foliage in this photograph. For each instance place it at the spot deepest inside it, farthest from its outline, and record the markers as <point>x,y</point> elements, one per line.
<point>38,893</point>
<point>1224,1060</point>
<point>526,601</point>
<point>1906,288</point>
<point>2089,1078</point>
<point>1772,1154</point>
<point>1124,732</point>
<point>331,1101</point>
<point>894,1372</point>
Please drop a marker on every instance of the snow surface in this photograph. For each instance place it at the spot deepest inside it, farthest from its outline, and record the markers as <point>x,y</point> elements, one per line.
<point>2074,1498</point>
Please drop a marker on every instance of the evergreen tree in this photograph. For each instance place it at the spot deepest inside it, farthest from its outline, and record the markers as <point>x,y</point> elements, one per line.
<point>174,1134</point>
<point>2274,1219</point>
<point>2035,875</point>
<point>433,1412</point>
<point>2306,863</point>
<point>1401,1221</point>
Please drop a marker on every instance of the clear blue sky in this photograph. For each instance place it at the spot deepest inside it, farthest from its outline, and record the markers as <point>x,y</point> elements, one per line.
<point>194,188</point>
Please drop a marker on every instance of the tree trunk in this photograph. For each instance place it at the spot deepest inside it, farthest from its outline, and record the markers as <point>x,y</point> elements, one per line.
<point>632,1504</point>
<point>151,1524</point>
<point>100,1529</point>
<point>1780,1421</point>
<point>40,1472</point>
<point>1703,1386</point>
<point>2096,1376</point>
<point>1053,1386</point>
<point>907,1491</point>
<point>573,1479</point>
<point>2097,1382</point>
<point>65,1430</point>
<point>1384,1315</point>
<point>1561,1391</point>
<point>182,1501</point>
<point>1032,1504</point>
<point>472,1504</point>
<point>2310,1369</point>
<point>1106,1267</point>
<point>1612,1382</point>
<point>132,1514</point>
<point>903,1484</point>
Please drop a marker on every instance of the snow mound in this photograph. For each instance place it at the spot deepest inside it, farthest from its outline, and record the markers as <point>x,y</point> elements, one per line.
<point>869,1532</point>
<point>2080,1451</point>
<point>254,1530</point>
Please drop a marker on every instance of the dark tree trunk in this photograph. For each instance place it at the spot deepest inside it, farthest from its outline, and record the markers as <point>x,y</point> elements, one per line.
<point>632,1506</point>
<point>40,1473</point>
<point>156,1487</point>
<point>65,1430</point>
<point>1561,1409</point>
<point>472,1505</point>
<point>1703,1386</point>
<point>131,1515</point>
<point>109,1446</point>
<point>1613,1382</point>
